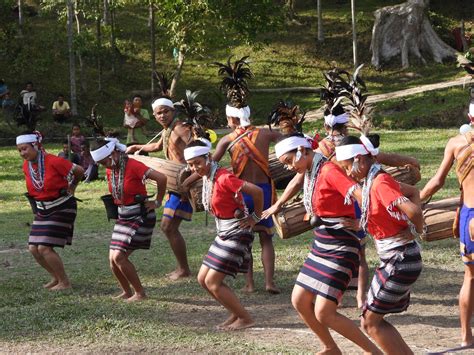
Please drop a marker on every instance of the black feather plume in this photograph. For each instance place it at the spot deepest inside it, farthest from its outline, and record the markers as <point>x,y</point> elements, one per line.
<point>94,121</point>
<point>195,114</point>
<point>164,81</point>
<point>234,82</point>
<point>287,117</point>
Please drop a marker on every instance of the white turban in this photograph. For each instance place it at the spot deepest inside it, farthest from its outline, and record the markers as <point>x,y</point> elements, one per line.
<point>26,138</point>
<point>368,145</point>
<point>196,151</point>
<point>346,152</point>
<point>289,144</point>
<point>332,120</point>
<point>107,149</point>
<point>242,113</point>
<point>163,101</point>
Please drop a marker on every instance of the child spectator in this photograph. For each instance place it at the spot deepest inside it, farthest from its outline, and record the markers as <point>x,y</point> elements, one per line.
<point>135,119</point>
<point>91,169</point>
<point>61,109</point>
<point>66,154</point>
<point>77,139</point>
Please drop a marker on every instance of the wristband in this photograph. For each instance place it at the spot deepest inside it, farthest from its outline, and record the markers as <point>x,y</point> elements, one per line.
<point>255,217</point>
<point>157,203</point>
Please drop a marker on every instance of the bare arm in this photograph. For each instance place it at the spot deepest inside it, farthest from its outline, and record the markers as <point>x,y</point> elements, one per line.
<point>411,192</point>
<point>160,180</point>
<point>274,136</point>
<point>257,195</point>
<point>221,148</point>
<point>392,159</point>
<point>293,187</point>
<point>437,181</point>
<point>152,147</point>
<point>78,174</point>
<point>414,214</point>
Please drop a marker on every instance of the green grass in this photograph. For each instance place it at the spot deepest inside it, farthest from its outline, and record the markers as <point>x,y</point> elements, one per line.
<point>178,317</point>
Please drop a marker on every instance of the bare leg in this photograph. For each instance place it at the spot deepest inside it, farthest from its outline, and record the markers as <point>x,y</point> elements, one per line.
<point>466,305</point>
<point>124,284</point>
<point>214,281</point>
<point>326,314</point>
<point>384,334</point>
<point>170,226</point>
<point>40,260</point>
<point>249,282</point>
<point>302,301</point>
<point>268,261</point>
<point>56,264</point>
<point>128,270</point>
<point>363,279</point>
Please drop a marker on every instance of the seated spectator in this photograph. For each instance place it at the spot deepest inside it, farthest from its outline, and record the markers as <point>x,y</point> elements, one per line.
<point>135,119</point>
<point>61,110</point>
<point>3,91</point>
<point>91,169</point>
<point>77,139</point>
<point>7,102</point>
<point>66,154</point>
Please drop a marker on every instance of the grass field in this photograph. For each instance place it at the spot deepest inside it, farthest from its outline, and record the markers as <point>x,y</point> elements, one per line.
<point>179,316</point>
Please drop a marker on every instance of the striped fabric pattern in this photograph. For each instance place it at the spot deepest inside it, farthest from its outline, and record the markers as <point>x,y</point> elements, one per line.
<point>230,255</point>
<point>55,226</point>
<point>132,230</point>
<point>331,263</point>
<point>390,288</point>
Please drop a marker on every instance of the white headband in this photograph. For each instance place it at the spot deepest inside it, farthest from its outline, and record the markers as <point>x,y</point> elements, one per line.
<point>471,109</point>
<point>368,145</point>
<point>289,144</point>
<point>332,120</point>
<point>26,138</point>
<point>162,102</point>
<point>345,152</point>
<point>204,140</point>
<point>242,113</point>
<point>104,151</point>
<point>193,152</point>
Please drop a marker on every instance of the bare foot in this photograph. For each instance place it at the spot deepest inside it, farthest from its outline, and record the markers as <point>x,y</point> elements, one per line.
<point>248,288</point>
<point>178,274</point>
<point>272,289</point>
<point>330,351</point>
<point>51,283</point>
<point>467,344</point>
<point>240,323</point>
<point>232,318</point>
<point>61,286</point>
<point>124,295</point>
<point>137,297</point>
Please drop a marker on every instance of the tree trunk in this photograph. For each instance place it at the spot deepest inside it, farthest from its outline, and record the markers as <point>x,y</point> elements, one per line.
<point>20,18</point>
<point>72,64</point>
<point>106,15</point>
<point>354,34</point>
<point>179,68</point>
<point>99,51</point>
<point>113,42</point>
<point>320,22</point>
<point>152,45</point>
<point>404,29</point>
<point>463,37</point>
<point>78,52</point>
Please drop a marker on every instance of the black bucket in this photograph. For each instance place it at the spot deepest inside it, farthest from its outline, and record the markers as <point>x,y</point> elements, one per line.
<point>32,202</point>
<point>110,207</point>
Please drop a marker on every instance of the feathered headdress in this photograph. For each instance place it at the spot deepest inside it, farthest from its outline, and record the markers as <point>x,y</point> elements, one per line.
<point>196,115</point>
<point>337,81</point>
<point>287,117</point>
<point>94,121</point>
<point>164,81</point>
<point>234,82</point>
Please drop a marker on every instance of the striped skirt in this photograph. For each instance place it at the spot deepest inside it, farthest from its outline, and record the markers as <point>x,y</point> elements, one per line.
<point>132,230</point>
<point>331,263</point>
<point>230,255</point>
<point>55,226</point>
<point>390,288</point>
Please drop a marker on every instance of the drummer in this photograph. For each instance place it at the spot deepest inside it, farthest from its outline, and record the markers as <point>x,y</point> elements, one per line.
<point>230,252</point>
<point>394,222</point>
<point>334,256</point>
<point>249,149</point>
<point>51,182</point>
<point>136,215</point>
<point>176,135</point>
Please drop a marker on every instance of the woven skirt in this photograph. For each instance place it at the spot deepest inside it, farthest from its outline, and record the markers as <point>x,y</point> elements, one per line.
<point>331,263</point>
<point>133,230</point>
<point>390,288</point>
<point>55,226</point>
<point>230,256</point>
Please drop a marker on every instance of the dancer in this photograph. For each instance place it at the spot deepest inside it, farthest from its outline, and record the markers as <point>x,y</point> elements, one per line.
<point>334,256</point>
<point>230,251</point>
<point>393,221</point>
<point>51,182</point>
<point>460,148</point>
<point>136,214</point>
<point>249,149</point>
<point>176,135</point>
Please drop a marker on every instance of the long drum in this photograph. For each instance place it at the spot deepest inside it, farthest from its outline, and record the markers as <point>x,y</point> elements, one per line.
<point>407,174</point>
<point>171,169</point>
<point>439,217</point>
<point>280,175</point>
<point>289,222</point>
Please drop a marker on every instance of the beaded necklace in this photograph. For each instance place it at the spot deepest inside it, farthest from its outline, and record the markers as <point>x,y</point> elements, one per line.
<point>310,182</point>
<point>373,171</point>
<point>118,177</point>
<point>37,175</point>
<point>207,186</point>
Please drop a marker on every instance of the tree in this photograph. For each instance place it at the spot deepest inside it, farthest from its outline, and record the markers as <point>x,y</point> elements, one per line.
<point>320,22</point>
<point>20,18</point>
<point>151,23</point>
<point>403,30</point>
<point>72,63</point>
<point>354,34</point>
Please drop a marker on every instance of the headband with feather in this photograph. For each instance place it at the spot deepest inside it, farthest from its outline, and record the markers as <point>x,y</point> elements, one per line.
<point>195,114</point>
<point>234,82</point>
<point>287,117</point>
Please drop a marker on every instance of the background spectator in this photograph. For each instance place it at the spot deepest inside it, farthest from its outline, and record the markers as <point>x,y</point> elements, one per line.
<point>66,154</point>
<point>77,139</point>
<point>91,169</point>
<point>61,109</point>
<point>135,119</point>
